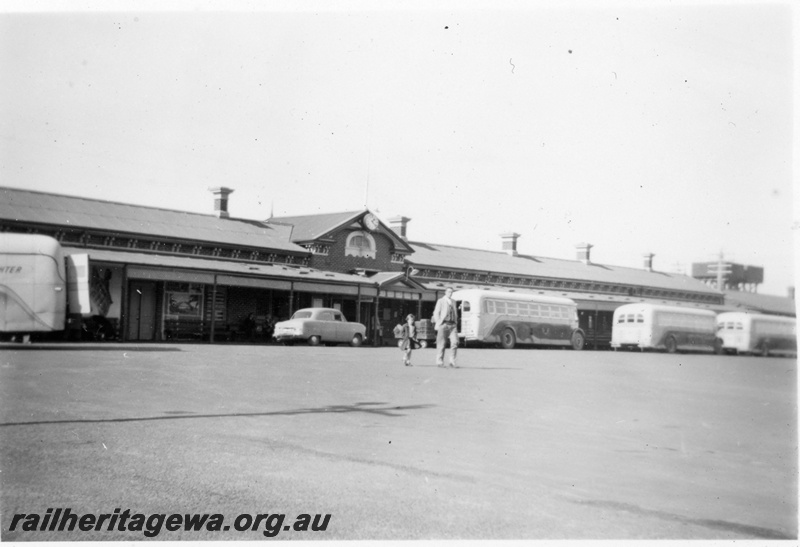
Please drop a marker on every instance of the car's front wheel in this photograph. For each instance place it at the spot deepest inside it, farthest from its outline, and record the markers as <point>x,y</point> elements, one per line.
<point>314,340</point>
<point>357,340</point>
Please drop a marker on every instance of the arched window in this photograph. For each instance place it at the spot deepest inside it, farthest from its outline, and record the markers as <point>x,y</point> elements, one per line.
<point>360,244</point>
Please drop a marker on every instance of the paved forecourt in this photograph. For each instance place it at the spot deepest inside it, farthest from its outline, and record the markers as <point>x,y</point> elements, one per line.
<point>519,444</point>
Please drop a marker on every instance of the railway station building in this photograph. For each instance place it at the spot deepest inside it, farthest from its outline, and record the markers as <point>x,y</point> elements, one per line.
<point>161,275</point>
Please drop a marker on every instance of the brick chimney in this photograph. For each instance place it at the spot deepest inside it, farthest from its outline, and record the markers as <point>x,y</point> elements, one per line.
<point>509,242</point>
<point>648,261</point>
<point>221,201</point>
<point>399,225</point>
<point>584,250</point>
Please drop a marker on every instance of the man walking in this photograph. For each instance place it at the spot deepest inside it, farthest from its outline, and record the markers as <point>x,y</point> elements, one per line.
<point>445,316</point>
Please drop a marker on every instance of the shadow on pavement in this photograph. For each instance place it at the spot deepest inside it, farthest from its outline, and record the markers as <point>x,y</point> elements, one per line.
<point>389,412</point>
<point>755,531</point>
<point>68,347</point>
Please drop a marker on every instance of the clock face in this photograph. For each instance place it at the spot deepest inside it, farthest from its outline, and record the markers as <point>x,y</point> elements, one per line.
<point>370,221</point>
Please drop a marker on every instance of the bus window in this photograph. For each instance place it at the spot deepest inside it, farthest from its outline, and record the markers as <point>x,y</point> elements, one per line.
<point>621,318</point>
<point>512,308</point>
<point>640,318</point>
<point>534,310</point>
<point>465,306</point>
<point>630,318</point>
<point>500,308</point>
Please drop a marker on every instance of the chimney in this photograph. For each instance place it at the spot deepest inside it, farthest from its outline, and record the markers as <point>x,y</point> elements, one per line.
<point>648,261</point>
<point>583,252</point>
<point>399,226</point>
<point>221,201</point>
<point>510,242</point>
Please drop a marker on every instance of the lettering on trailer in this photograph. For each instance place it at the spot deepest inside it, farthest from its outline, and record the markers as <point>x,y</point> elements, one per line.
<point>10,269</point>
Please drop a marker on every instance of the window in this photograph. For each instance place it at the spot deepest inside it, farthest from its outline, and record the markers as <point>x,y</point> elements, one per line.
<point>360,244</point>
<point>337,316</point>
<point>640,318</point>
<point>465,306</point>
<point>326,316</point>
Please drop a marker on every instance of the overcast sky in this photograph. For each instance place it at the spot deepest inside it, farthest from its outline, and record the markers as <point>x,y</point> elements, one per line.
<point>646,127</point>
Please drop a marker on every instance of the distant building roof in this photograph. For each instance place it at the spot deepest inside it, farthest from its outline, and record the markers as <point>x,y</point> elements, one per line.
<point>764,303</point>
<point>460,258</point>
<point>59,210</point>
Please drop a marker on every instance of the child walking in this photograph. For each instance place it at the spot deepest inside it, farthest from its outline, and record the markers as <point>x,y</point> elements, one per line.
<point>409,340</point>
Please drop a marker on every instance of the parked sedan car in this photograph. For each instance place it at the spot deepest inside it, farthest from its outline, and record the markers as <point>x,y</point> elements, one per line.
<point>319,326</point>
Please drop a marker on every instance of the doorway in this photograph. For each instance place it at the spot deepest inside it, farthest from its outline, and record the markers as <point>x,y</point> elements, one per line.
<point>142,311</point>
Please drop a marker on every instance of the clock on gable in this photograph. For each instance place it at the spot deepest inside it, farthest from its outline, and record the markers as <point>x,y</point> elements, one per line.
<point>370,222</point>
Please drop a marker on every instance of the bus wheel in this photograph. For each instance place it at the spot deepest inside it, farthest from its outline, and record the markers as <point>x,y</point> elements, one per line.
<point>508,340</point>
<point>671,345</point>
<point>578,340</point>
<point>314,340</point>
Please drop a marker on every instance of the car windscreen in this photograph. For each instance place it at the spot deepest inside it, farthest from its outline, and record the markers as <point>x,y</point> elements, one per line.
<point>301,315</point>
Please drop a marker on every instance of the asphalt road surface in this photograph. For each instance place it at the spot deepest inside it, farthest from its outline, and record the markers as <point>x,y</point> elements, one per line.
<point>514,444</point>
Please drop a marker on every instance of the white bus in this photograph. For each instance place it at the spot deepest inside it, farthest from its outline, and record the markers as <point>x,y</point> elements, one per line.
<point>671,328</point>
<point>743,332</point>
<point>509,319</point>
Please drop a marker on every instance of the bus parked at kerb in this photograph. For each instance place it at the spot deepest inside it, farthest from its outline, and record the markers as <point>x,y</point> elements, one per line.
<point>743,332</point>
<point>508,319</point>
<point>671,328</point>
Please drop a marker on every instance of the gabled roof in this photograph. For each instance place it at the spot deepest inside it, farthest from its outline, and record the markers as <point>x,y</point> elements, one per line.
<point>765,303</point>
<point>398,279</point>
<point>312,227</point>
<point>308,228</point>
<point>498,262</point>
<point>59,210</point>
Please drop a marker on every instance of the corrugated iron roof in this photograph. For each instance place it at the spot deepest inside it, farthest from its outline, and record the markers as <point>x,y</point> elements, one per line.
<point>461,258</point>
<point>766,303</point>
<point>220,266</point>
<point>586,300</point>
<point>311,227</point>
<point>78,212</point>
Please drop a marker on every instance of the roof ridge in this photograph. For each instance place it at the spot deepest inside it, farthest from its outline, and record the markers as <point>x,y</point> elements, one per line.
<point>97,200</point>
<point>318,215</point>
<point>489,251</point>
<point>572,261</point>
